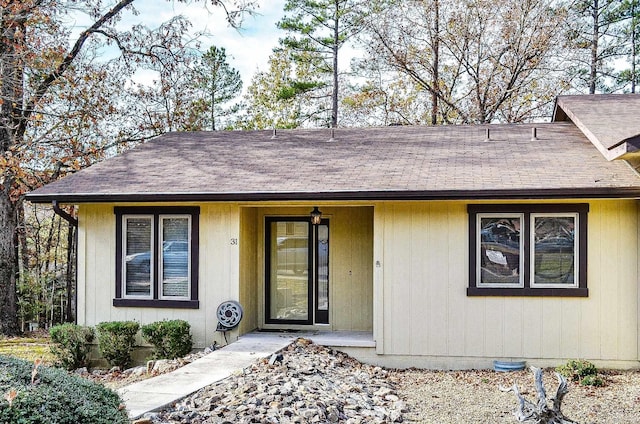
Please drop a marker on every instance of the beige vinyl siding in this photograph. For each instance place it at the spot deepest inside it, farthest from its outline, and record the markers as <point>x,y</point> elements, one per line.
<point>218,279</point>
<point>249,269</point>
<point>351,263</point>
<point>423,251</point>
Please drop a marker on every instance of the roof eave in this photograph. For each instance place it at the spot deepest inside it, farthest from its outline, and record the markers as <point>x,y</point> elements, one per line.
<point>518,194</point>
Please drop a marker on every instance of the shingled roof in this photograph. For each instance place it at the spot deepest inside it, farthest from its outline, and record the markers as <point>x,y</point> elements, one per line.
<point>413,162</point>
<point>610,121</point>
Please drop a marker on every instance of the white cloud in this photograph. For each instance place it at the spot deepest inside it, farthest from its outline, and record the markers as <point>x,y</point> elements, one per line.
<point>248,48</point>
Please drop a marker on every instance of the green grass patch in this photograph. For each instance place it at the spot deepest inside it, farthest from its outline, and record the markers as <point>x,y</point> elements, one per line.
<point>27,348</point>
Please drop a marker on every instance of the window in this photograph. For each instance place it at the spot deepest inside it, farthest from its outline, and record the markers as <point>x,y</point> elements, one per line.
<point>157,257</point>
<point>528,250</point>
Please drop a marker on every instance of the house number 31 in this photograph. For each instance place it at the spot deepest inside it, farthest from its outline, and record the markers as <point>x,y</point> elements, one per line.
<point>234,242</point>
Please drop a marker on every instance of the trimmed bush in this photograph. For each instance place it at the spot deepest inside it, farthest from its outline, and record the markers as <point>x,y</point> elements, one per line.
<point>170,339</point>
<point>55,397</point>
<point>116,340</point>
<point>581,371</point>
<point>71,345</point>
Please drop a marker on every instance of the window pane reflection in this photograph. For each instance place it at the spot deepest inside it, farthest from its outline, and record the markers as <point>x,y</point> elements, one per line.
<point>138,270</point>
<point>500,250</point>
<point>175,257</point>
<point>554,250</point>
<point>289,279</point>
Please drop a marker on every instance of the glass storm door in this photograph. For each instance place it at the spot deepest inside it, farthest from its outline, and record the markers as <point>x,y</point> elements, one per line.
<point>297,271</point>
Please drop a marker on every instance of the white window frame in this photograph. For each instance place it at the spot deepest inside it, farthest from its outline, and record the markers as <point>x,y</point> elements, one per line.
<point>161,295</point>
<point>125,225</point>
<point>521,261</point>
<point>576,250</point>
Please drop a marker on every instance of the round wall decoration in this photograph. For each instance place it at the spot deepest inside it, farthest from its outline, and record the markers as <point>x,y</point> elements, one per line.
<point>229,314</point>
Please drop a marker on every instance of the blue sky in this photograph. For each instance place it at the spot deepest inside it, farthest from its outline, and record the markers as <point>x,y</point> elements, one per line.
<point>248,48</point>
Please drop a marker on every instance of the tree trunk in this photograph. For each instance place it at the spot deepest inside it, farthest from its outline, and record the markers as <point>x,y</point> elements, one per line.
<point>436,63</point>
<point>593,74</point>
<point>8,264</point>
<point>634,46</point>
<point>336,41</point>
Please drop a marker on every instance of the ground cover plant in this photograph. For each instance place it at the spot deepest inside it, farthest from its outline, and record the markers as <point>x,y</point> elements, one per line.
<point>581,371</point>
<point>34,393</point>
<point>29,348</point>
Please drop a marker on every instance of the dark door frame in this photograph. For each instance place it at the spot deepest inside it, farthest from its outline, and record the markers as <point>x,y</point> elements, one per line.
<point>314,316</point>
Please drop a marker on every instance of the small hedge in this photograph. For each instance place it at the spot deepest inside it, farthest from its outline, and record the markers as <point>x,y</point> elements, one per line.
<point>55,397</point>
<point>116,340</point>
<point>170,339</point>
<point>71,345</point>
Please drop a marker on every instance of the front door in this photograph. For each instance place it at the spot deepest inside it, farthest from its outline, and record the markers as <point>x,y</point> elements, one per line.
<point>297,271</point>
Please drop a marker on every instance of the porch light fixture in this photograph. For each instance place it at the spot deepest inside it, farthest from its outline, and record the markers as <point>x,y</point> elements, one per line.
<point>316,216</point>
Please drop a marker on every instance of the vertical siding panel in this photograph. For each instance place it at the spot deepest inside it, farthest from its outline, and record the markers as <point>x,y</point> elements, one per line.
<point>387,273</point>
<point>533,336</point>
<point>457,278</point>
<point>475,326</point>
<point>340,262</point>
<point>362,266</point>
<point>609,313</point>
<point>551,327</point>
<point>590,346</point>
<point>398,275</point>
<point>628,266</point>
<point>344,292</point>
<point>514,328</point>
<point>436,278</point>
<point>209,255</point>
<point>418,287</point>
<point>494,341</point>
<point>248,275</point>
<point>380,292</point>
<point>350,289</point>
<point>570,340</point>
<point>104,266</point>
<point>85,261</point>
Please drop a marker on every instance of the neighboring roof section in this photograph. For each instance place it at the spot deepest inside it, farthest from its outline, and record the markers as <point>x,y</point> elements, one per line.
<point>610,121</point>
<point>412,162</point>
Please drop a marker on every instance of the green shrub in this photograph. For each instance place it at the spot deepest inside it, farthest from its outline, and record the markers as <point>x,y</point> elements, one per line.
<point>170,339</point>
<point>583,371</point>
<point>71,345</point>
<point>116,340</point>
<point>55,397</point>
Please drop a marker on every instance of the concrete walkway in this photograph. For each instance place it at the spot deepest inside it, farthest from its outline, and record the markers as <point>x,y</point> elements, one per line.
<point>156,392</point>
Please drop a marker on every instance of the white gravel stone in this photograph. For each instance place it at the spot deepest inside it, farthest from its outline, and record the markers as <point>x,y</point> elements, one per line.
<point>310,383</point>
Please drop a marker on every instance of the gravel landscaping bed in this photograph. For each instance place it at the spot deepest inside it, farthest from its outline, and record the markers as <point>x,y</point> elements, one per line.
<point>474,397</point>
<point>310,383</point>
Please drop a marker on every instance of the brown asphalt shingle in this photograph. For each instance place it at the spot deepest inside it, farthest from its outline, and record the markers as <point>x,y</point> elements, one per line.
<point>608,120</point>
<point>371,163</point>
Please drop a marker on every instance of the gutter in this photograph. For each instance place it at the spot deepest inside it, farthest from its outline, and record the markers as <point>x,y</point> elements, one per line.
<point>536,193</point>
<point>64,215</point>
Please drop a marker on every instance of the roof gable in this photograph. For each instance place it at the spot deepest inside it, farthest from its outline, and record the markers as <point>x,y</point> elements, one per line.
<point>610,121</point>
